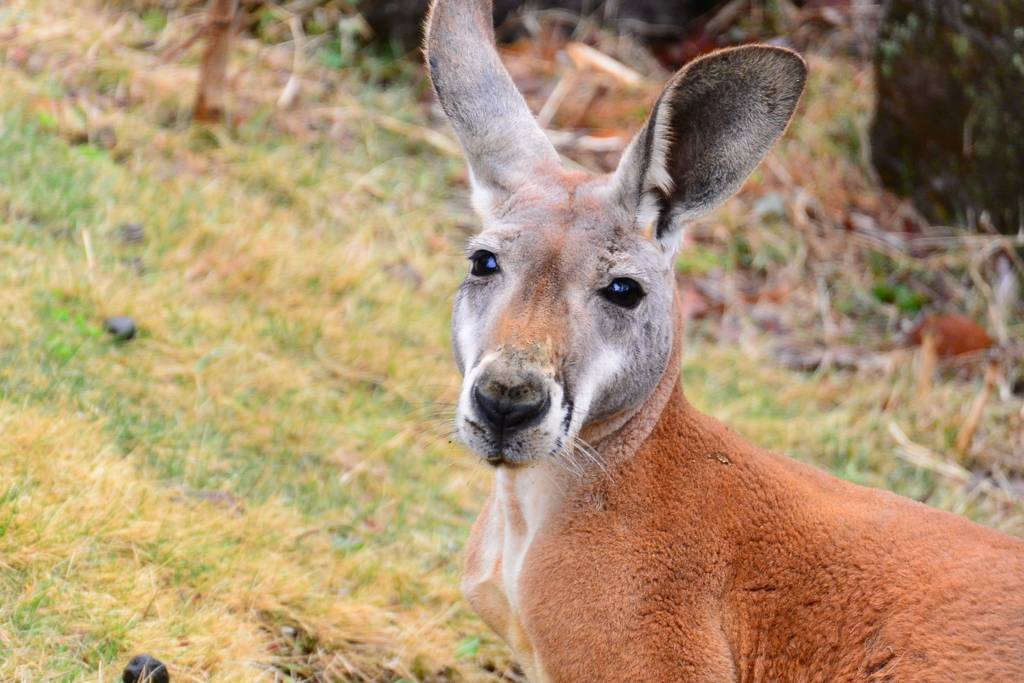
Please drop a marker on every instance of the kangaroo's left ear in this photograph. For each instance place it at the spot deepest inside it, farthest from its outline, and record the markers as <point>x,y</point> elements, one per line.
<point>711,126</point>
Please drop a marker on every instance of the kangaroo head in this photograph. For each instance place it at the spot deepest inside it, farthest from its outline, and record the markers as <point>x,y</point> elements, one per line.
<point>567,316</point>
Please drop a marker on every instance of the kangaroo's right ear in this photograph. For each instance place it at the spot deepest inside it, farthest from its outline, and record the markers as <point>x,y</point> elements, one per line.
<point>502,141</point>
<point>712,125</point>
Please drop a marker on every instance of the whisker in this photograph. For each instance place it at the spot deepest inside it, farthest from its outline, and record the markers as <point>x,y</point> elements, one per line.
<point>473,473</point>
<point>563,457</point>
<point>593,454</point>
<point>437,440</point>
<point>440,416</point>
<point>554,480</point>
<point>458,461</point>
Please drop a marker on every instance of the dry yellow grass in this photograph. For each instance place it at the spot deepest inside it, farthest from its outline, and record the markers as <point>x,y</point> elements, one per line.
<point>259,487</point>
<point>257,459</point>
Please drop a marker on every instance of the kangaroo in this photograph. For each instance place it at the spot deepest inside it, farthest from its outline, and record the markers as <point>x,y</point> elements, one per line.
<point>627,536</point>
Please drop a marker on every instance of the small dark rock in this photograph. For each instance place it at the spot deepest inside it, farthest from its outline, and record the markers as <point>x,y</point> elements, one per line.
<point>121,327</point>
<point>137,264</point>
<point>105,137</point>
<point>145,669</point>
<point>131,233</point>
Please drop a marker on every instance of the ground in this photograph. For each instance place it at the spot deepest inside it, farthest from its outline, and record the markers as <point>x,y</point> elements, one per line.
<point>260,485</point>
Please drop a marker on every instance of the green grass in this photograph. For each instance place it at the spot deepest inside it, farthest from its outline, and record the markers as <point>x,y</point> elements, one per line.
<point>260,484</point>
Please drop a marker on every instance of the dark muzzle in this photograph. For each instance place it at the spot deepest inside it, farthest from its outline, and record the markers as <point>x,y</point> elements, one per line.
<point>510,401</point>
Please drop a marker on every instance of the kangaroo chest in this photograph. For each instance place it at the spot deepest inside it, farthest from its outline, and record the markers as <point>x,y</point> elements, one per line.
<point>520,505</point>
<point>562,597</point>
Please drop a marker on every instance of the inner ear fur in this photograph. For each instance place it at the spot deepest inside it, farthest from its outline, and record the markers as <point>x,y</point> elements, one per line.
<point>715,121</point>
<point>502,142</point>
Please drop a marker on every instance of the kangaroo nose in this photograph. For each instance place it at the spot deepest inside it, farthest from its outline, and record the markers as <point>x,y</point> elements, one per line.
<point>507,406</point>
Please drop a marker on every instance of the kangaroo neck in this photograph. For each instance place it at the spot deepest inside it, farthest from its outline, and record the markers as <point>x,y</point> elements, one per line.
<point>617,438</point>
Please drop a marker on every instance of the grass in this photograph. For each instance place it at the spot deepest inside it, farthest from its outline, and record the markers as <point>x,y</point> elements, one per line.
<point>258,486</point>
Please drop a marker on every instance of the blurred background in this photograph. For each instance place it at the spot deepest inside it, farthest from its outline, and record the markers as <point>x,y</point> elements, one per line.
<point>230,231</point>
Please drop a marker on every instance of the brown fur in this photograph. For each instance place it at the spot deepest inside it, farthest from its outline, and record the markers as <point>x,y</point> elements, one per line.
<point>704,558</point>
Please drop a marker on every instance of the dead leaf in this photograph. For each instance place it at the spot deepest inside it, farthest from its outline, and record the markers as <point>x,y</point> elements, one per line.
<point>926,361</point>
<point>965,437</point>
<point>954,334</point>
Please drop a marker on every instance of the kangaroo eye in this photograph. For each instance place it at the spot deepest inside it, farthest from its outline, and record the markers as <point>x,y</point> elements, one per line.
<point>484,263</point>
<point>623,292</point>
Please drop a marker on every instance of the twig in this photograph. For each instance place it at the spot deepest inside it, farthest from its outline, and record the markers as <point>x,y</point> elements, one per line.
<point>291,89</point>
<point>825,305</point>
<point>957,241</point>
<point>90,260</point>
<point>363,28</point>
<point>565,140</point>
<point>87,245</point>
<point>920,456</point>
<point>926,361</point>
<point>439,141</point>
<point>586,57</point>
<point>105,37</point>
<point>883,243</point>
<point>802,221</point>
<point>170,54</point>
<point>724,17</point>
<point>966,434</point>
<point>409,130</point>
<point>300,7</point>
<point>1005,297</point>
<point>917,454</point>
<point>555,99</point>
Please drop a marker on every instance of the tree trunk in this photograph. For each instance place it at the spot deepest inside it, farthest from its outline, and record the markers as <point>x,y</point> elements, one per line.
<point>949,121</point>
<point>211,99</point>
